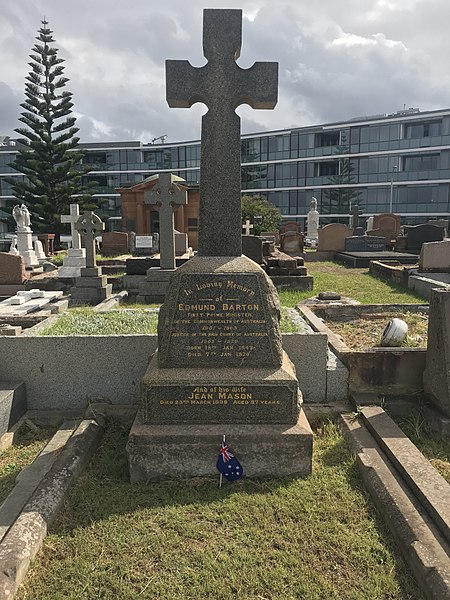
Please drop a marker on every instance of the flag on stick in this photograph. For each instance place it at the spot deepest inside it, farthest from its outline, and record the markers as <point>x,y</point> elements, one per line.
<point>227,464</point>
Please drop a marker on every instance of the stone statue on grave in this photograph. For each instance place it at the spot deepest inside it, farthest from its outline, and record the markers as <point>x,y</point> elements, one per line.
<point>312,224</point>
<point>21,216</point>
<point>13,247</point>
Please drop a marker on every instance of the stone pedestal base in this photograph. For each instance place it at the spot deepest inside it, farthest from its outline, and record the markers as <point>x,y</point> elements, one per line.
<point>220,395</point>
<point>73,263</point>
<point>154,288</point>
<point>25,247</point>
<point>91,287</point>
<point>157,452</point>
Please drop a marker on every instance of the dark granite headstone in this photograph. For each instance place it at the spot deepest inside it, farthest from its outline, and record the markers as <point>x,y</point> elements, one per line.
<point>220,360</point>
<point>365,243</point>
<point>419,234</point>
<point>252,246</point>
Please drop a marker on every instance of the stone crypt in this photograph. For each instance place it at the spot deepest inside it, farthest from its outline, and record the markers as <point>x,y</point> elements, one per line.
<point>220,367</point>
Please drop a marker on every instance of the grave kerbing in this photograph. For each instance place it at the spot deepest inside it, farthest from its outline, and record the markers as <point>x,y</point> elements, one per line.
<point>220,367</point>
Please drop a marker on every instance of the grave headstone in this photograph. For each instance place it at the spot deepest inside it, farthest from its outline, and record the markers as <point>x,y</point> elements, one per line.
<point>417,235</point>
<point>436,378</point>
<point>12,269</point>
<point>181,243</point>
<point>220,367</point>
<point>75,260</point>
<point>166,195</point>
<point>440,223</point>
<point>39,250</point>
<point>92,286</point>
<point>332,237</point>
<point>115,242</point>
<point>435,256</point>
<point>388,222</point>
<point>292,242</point>
<point>365,243</point>
<point>354,221</point>
<point>252,246</point>
<point>143,245</point>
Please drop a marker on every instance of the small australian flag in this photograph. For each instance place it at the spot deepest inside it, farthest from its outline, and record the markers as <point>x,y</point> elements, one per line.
<point>228,464</point>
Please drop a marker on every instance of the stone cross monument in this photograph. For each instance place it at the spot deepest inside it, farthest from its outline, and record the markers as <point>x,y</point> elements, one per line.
<point>223,86</point>
<point>220,367</point>
<point>76,255</point>
<point>166,195</point>
<point>92,286</point>
<point>354,221</point>
<point>89,226</point>
<point>72,218</point>
<point>247,227</point>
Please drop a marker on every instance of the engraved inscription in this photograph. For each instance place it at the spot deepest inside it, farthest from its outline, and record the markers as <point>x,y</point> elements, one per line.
<point>221,320</point>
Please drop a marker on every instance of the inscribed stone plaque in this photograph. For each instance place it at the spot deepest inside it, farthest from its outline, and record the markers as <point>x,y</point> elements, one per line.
<point>220,319</point>
<point>144,241</point>
<point>220,404</point>
<point>365,243</point>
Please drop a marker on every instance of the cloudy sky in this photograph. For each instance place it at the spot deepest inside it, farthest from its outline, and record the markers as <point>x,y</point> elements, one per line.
<point>338,59</point>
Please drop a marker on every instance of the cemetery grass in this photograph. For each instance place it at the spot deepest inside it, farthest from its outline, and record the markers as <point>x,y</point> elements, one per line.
<point>358,284</point>
<point>21,454</point>
<point>85,321</point>
<point>434,447</point>
<point>311,538</point>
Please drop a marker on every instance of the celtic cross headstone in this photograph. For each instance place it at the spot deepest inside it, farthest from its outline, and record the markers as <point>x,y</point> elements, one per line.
<point>223,86</point>
<point>89,225</point>
<point>166,195</point>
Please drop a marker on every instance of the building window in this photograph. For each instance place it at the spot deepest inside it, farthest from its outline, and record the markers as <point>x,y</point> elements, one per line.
<point>95,158</point>
<point>326,168</point>
<point>422,162</point>
<point>424,129</point>
<point>327,138</point>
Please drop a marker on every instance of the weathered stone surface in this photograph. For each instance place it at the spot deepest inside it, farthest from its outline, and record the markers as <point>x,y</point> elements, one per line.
<point>89,226</point>
<point>416,235</point>
<point>329,296</point>
<point>12,269</point>
<point>435,256</point>
<point>436,378</point>
<point>287,449</point>
<point>252,246</point>
<point>220,395</point>
<point>365,243</point>
<point>115,242</point>
<point>220,311</point>
<point>332,237</point>
<point>13,404</point>
<point>222,85</point>
<point>166,195</point>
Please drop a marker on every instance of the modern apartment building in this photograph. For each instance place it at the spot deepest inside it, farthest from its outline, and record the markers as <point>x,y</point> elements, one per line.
<point>396,162</point>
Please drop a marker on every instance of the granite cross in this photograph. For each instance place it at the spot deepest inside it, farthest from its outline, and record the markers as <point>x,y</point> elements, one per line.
<point>355,213</point>
<point>222,85</point>
<point>89,226</point>
<point>72,218</point>
<point>166,195</point>
<point>247,227</point>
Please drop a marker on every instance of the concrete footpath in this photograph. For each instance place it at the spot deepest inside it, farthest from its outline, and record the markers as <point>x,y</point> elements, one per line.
<point>411,496</point>
<point>33,504</point>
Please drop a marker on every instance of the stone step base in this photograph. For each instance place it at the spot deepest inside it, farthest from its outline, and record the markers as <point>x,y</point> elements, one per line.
<point>13,404</point>
<point>158,452</point>
<point>90,295</point>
